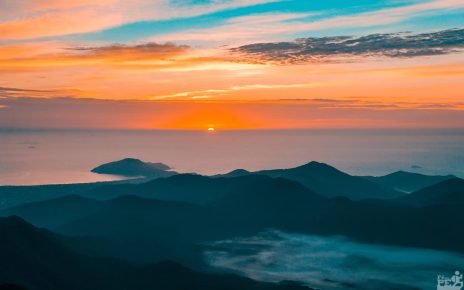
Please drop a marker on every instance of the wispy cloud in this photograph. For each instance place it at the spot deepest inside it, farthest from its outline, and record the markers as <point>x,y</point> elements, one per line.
<point>382,16</point>
<point>53,22</point>
<point>311,113</point>
<point>147,54</point>
<point>238,30</point>
<point>7,92</point>
<point>139,51</point>
<point>270,26</point>
<point>211,93</point>
<point>340,48</point>
<point>23,19</point>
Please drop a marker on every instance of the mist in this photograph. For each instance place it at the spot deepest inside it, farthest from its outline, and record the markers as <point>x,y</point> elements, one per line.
<point>331,262</point>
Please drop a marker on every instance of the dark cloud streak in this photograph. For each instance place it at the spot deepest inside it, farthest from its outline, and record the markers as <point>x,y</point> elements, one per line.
<point>331,49</point>
<point>10,92</point>
<point>146,49</point>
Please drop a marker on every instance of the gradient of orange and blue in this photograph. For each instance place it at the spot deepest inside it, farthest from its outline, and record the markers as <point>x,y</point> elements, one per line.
<point>231,64</point>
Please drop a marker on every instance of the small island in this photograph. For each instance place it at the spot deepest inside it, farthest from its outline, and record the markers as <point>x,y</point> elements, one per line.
<point>132,167</point>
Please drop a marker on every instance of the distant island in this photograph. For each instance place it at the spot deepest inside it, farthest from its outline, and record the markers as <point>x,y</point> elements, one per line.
<point>132,167</point>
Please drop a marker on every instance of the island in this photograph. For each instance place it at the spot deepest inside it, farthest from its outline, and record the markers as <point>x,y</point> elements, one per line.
<point>132,167</point>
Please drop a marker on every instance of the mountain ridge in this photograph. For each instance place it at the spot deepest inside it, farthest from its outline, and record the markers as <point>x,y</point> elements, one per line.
<point>329,181</point>
<point>408,181</point>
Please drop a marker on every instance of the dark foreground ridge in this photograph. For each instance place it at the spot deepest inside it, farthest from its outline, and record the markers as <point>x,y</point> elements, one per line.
<point>33,259</point>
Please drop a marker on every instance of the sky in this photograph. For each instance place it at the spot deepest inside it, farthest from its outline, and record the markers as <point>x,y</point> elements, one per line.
<point>231,64</point>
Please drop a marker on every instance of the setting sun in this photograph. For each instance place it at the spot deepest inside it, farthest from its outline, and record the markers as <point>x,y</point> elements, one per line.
<point>211,129</point>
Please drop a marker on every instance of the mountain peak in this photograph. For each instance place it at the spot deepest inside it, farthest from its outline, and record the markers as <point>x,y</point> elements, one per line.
<point>315,165</point>
<point>328,181</point>
<point>130,159</point>
<point>238,172</point>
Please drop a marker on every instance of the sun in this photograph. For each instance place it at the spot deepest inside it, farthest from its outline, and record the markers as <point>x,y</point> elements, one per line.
<point>211,129</point>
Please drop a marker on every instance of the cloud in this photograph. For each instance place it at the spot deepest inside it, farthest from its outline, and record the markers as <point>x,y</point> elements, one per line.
<point>239,30</point>
<point>4,89</point>
<point>382,16</point>
<point>140,51</point>
<point>278,25</point>
<point>328,262</point>
<point>53,23</point>
<point>22,19</point>
<point>227,94</point>
<point>329,49</point>
<point>7,92</point>
<point>334,113</point>
<point>210,93</point>
<point>149,55</point>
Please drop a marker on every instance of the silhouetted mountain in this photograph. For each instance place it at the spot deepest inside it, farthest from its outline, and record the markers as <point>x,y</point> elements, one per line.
<point>383,223</point>
<point>331,182</point>
<point>15,195</point>
<point>234,173</point>
<point>199,189</point>
<point>318,177</point>
<point>135,225</point>
<point>29,257</point>
<point>252,203</point>
<point>128,227</point>
<point>407,181</point>
<point>130,216</point>
<point>54,212</point>
<point>134,167</point>
<point>450,191</point>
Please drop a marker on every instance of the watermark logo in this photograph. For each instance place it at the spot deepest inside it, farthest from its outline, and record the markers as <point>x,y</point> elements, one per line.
<point>454,282</point>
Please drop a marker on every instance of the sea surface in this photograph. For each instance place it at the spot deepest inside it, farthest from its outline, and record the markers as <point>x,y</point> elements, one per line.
<point>331,263</point>
<point>67,156</point>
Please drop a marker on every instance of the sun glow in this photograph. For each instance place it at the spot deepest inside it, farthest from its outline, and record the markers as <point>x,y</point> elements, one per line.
<point>211,129</point>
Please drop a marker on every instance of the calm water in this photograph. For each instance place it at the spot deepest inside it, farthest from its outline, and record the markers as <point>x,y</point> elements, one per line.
<point>332,262</point>
<point>46,156</point>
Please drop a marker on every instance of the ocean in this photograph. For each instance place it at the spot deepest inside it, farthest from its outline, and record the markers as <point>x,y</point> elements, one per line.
<point>66,156</point>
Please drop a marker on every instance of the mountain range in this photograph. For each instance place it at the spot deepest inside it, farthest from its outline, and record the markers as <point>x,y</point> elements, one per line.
<point>327,181</point>
<point>149,233</point>
<point>192,208</point>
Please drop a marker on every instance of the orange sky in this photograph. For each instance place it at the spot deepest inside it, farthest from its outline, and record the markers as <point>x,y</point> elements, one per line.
<point>196,81</point>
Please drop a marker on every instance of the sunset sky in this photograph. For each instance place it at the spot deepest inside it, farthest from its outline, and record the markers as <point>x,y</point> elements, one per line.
<point>231,64</point>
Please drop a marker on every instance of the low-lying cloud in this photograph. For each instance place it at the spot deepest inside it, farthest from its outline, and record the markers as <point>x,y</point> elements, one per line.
<point>331,262</point>
<point>335,48</point>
